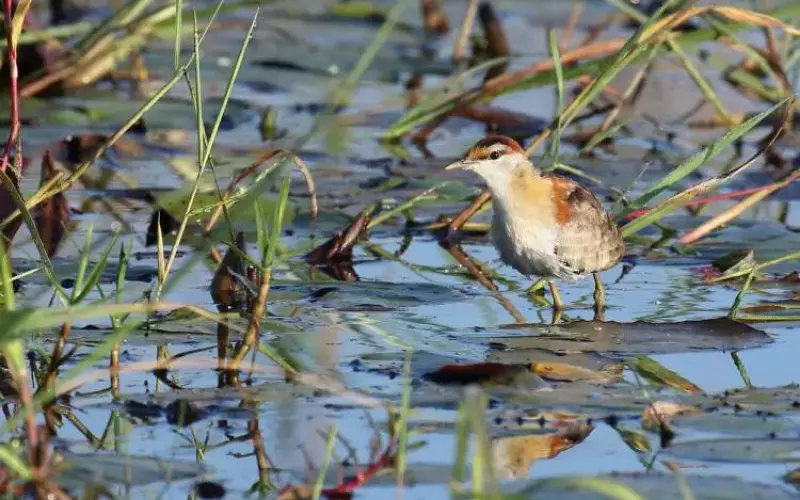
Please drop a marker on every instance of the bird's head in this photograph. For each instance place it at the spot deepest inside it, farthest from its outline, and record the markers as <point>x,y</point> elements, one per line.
<point>497,159</point>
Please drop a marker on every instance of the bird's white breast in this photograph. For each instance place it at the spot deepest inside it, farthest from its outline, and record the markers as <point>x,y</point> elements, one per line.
<point>525,243</point>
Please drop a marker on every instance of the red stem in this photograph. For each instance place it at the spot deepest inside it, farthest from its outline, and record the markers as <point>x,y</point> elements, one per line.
<point>709,200</point>
<point>346,488</point>
<point>12,71</point>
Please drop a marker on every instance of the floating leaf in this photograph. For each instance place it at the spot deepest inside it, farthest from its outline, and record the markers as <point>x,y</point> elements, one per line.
<point>652,486</point>
<point>479,373</point>
<point>77,469</point>
<point>738,450</point>
<point>739,424</point>
<point>640,337</point>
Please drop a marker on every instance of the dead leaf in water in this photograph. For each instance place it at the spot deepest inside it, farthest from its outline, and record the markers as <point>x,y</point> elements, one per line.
<point>226,288</point>
<point>165,220</point>
<point>475,373</point>
<point>340,246</point>
<point>7,207</point>
<point>661,412</point>
<point>564,372</point>
<point>515,455</point>
<point>792,277</point>
<point>52,216</point>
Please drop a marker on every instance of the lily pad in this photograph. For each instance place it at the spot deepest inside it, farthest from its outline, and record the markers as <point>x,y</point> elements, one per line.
<point>640,337</point>
<point>738,450</point>
<point>77,469</point>
<point>660,486</point>
<point>742,425</point>
<point>359,293</point>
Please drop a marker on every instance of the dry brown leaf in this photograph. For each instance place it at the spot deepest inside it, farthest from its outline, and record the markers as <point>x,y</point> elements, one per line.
<point>52,216</point>
<point>7,207</point>
<point>339,248</point>
<point>300,492</point>
<point>515,455</point>
<point>661,412</point>
<point>736,14</point>
<point>564,372</point>
<point>226,290</point>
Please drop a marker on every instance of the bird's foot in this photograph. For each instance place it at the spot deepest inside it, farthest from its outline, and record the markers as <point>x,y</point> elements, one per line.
<point>537,289</point>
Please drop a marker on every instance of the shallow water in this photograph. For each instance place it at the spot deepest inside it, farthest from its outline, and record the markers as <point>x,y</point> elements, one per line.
<point>358,333</point>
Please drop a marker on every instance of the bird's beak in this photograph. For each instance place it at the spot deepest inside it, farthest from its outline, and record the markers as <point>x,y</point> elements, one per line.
<point>460,165</point>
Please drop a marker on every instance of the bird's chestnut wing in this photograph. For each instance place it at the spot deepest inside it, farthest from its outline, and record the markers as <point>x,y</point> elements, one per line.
<point>587,239</point>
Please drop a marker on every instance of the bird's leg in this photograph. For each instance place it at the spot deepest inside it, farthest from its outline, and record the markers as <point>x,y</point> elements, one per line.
<point>557,304</point>
<point>599,293</point>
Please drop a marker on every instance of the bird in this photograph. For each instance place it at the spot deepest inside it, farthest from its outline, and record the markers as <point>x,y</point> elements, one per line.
<point>543,225</point>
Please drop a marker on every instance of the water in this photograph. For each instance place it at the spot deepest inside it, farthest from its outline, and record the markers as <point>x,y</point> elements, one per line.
<point>357,334</point>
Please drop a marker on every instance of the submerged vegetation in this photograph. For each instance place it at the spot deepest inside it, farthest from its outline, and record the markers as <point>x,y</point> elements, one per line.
<point>243,249</point>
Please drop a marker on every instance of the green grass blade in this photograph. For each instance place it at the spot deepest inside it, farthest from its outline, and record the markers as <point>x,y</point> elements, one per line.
<point>277,222</point>
<point>122,269</point>
<point>209,144</point>
<point>97,272</point>
<point>37,240</point>
<point>27,320</point>
<point>178,33</point>
<point>83,264</point>
<point>320,482</point>
<point>627,54</point>
<point>686,168</point>
<point>606,487</point>
<point>13,461</point>
<point>262,233</point>
<point>6,276</point>
<point>555,142</point>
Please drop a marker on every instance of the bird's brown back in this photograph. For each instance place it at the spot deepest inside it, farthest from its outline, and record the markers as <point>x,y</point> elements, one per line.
<point>588,240</point>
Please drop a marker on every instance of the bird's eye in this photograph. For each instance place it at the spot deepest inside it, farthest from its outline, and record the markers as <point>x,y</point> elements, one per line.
<point>494,155</point>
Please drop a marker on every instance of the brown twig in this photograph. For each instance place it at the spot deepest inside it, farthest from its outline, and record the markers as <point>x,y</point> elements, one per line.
<point>11,53</point>
<point>466,214</point>
<point>472,268</point>
<point>433,17</point>
<point>756,195</point>
<point>460,45</point>
<point>496,41</point>
<point>569,27</point>
<point>262,159</point>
